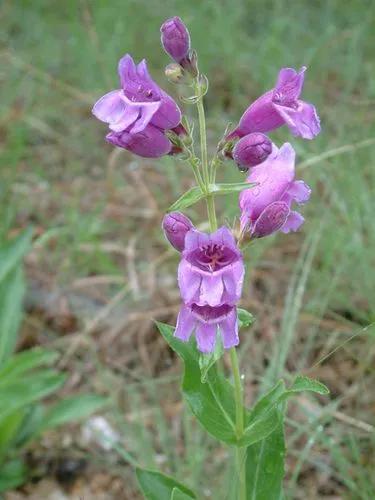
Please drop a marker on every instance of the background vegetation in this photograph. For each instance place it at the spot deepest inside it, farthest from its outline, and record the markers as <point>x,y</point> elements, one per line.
<point>99,270</point>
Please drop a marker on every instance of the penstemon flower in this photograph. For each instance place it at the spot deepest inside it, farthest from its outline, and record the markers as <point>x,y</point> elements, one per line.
<point>211,270</point>
<point>281,106</point>
<point>205,321</point>
<point>266,208</point>
<point>145,120</point>
<point>139,113</point>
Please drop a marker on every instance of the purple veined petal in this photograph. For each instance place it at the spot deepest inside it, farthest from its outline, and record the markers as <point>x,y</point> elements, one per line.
<point>301,120</point>
<point>185,324</point>
<point>289,86</point>
<point>293,222</point>
<point>127,69</point>
<point>206,337</point>
<point>110,108</point>
<point>175,226</point>
<point>271,219</point>
<point>146,112</point>
<point>150,143</point>
<point>299,191</point>
<point>142,70</point>
<point>233,282</point>
<point>188,281</point>
<point>223,236</point>
<point>211,290</point>
<point>195,239</point>
<point>229,330</point>
<point>168,115</point>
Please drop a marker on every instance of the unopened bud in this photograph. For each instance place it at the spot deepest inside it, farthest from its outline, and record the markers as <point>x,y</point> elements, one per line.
<point>175,226</point>
<point>174,72</point>
<point>175,38</point>
<point>252,150</point>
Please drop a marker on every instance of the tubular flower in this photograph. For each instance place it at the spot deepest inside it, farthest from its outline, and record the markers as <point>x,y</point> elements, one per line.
<point>251,150</point>
<point>175,226</point>
<point>139,106</point>
<point>266,208</point>
<point>281,106</point>
<point>175,39</point>
<point>205,321</point>
<point>211,270</point>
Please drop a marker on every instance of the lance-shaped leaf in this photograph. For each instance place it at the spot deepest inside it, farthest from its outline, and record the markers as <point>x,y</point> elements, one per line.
<point>211,402</point>
<point>158,486</point>
<point>195,194</point>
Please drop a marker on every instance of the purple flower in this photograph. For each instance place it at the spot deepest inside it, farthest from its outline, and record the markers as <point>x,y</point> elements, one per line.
<point>139,106</point>
<point>281,106</point>
<point>206,320</point>
<point>266,208</point>
<point>175,226</point>
<point>251,150</point>
<point>211,270</point>
<point>175,39</point>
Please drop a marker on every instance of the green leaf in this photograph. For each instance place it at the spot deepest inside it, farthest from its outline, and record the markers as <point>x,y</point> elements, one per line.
<point>265,466</point>
<point>9,427</point>
<point>24,361</point>
<point>73,408</point>
<point>13,251</point>
<point>245,318</point>
<point>177,494</point>
<point>212,402</point>
<point>302,383</point>
<point>265,416</point>
<point>19,393</point>
<point>187,199</point>
<point>227,188</point>
<point>12,474</point>
<point>194,194</point>
<point>206,361</point>
<point>157,486</point>
<point>12,289</point>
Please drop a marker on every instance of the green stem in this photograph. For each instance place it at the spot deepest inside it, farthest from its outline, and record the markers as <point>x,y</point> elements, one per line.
<point>240,452</point>
<point>205,167</point>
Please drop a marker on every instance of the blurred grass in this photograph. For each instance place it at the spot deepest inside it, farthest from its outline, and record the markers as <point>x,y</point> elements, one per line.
<point>57,172</point>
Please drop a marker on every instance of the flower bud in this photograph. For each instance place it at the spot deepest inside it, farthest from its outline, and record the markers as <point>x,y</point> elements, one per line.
<point>174,72</point>
<point>175,38</point>
<point>251,150</point>
<point>175,226</point>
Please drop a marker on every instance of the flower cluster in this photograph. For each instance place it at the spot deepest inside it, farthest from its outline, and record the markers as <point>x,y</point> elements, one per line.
<point>145,120</point>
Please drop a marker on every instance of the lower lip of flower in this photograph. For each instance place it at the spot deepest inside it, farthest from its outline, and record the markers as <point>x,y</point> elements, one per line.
<point>211,315</point>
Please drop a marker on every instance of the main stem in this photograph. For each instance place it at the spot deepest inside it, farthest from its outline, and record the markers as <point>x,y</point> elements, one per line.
<point>240,452</point>
<point>205,168</point>
<point>207,178</point>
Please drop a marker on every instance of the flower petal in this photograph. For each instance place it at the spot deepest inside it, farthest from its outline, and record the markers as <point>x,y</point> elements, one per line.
<point>195,239</point>
<point>126,69</point>
<point>150,143</point>
<point>299,191</point>
<point>188,281</point>
<point>110,108</point>
<point>229,330</point>
<point>211,290</point>
<point>233,282</point>
<point>168,115</point>
<point>206,337</point>
<point>271,219</point>
<point>302,120</point>
<point>289,85</point>
<point>147,111</point>
<point>185,324</point>
<point>224,236</point>
<point>293,222</point>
